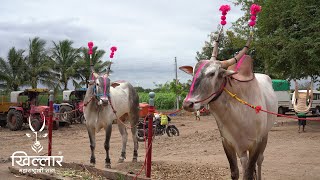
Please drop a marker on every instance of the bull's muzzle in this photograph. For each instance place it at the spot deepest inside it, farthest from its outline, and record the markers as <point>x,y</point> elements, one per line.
<point>103,101</point>
<point>188,105</point>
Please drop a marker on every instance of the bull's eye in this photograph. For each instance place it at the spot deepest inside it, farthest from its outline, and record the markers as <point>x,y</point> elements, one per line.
<point>212,74</point>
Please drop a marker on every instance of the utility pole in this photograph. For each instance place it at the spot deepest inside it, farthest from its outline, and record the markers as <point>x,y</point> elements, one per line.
<point>176,69</point>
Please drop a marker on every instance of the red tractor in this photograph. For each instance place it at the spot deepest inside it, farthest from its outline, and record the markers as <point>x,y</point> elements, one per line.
<point>71,109</point>
<point>30,108</point>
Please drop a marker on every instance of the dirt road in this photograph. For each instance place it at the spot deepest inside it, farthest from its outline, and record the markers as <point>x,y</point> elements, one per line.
<point>196,154</point>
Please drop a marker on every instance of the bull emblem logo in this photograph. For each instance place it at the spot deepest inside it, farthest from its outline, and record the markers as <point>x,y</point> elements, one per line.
<point>36,146</point>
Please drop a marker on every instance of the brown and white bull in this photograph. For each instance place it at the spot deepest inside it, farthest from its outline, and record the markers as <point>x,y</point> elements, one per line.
<point>244,132</point>
<point>100,113</point>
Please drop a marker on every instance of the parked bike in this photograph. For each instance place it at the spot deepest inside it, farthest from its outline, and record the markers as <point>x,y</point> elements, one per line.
<point>159,128</point>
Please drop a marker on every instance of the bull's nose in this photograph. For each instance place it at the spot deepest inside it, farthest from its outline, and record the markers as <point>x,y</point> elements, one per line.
<point>188,105</point>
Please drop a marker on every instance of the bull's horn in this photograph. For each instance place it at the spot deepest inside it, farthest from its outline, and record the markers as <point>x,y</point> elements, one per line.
<point>225,64</point>
<point>215,46</point>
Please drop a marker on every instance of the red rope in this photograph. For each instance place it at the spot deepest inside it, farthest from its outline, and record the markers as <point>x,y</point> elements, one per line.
<point>259,108</point>
<point>173,112</point>
<point>286,116</point>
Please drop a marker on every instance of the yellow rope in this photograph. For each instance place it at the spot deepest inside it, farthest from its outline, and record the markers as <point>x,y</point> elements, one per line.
<point>237,98</point>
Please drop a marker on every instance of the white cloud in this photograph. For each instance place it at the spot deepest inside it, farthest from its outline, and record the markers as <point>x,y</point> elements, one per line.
<point>148,34</point>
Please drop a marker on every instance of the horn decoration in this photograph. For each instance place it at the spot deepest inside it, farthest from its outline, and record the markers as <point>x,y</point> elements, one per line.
<point>90,46</point>
<point>224,9</point>
<point>112,49</point>
<point>254,10</point>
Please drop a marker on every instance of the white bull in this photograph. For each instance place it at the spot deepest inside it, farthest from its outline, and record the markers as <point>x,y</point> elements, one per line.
<point>100,113</point>
<point>242,129</point>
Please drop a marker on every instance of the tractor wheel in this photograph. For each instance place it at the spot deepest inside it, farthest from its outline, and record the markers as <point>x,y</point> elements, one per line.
<point>65,114</point>
<point>3,123</point>
<point>36,124</point>
<point>14,120</point>
<point>55,125</point>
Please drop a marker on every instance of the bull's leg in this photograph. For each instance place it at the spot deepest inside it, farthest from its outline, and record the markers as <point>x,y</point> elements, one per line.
<point>261,157</point>
<point>244,161</point>
<point>255,153</point>
<point>232,158</point>
<point>124,135</point>
<point>107,145</point>
<point>135,144</point>
<point>134,119</point>
<point>92,138</point>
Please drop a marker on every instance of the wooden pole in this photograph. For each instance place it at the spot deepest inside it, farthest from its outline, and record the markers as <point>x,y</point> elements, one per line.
<point>50,123</point>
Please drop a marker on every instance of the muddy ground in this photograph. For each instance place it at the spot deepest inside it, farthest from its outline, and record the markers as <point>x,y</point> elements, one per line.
<point>196,154</point>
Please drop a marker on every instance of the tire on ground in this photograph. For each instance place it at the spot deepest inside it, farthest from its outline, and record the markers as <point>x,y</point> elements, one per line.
<point>65,115</point>
<point>14,120</point>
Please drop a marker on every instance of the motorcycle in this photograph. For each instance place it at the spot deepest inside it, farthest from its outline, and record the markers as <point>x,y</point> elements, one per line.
<point>157,128</point>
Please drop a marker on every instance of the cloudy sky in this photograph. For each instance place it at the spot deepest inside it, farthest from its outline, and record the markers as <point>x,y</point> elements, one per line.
<point>148,33</point>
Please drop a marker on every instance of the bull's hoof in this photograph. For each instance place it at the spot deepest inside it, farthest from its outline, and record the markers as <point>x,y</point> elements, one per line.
<point>135,160</point>
<point>108,166</point>
<point>92,164</point>
<point>120,160</point>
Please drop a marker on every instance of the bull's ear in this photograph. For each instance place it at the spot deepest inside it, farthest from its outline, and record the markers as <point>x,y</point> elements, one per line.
<point>91,82</point>
<point>187,69</point>
<point>224,73</point>
<point>114,84</point>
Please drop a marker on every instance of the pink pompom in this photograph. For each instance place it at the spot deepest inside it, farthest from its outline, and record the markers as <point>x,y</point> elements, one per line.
<point>223,22</point>
<point>253,18</point>
<point>90,44</point>
<point>252,23</point>
<point>113,48</point>
<point>224,13</point>
<point>223,18</point>
<point>255,8</point>
<point>111,56</point>
<point>224,8</point>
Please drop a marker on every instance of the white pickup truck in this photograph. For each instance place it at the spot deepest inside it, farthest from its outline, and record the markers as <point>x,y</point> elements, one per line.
<point>282,90</point>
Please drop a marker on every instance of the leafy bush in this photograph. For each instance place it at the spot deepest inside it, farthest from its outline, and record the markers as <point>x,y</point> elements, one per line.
<point>163,101</point>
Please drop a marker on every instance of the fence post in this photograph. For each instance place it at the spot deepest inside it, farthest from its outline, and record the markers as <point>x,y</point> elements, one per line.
<point>50,123</point>
<point>150,134</point>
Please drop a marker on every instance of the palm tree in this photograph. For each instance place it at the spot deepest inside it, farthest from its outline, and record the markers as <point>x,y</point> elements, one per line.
<point>39,65</point>
<point>83,66</point>
<point>65,57</point>
<point>12,72</point>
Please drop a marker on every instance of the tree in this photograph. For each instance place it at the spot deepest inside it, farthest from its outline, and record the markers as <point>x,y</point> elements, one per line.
<point>65,57</point>
<point>39,65</point>
<point>287,37</point>
<point>83,65</point>
<point>12,71</point>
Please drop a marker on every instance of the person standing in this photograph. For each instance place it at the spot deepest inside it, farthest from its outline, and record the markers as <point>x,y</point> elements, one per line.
<point>302,122</point>
<point>198,115</point>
